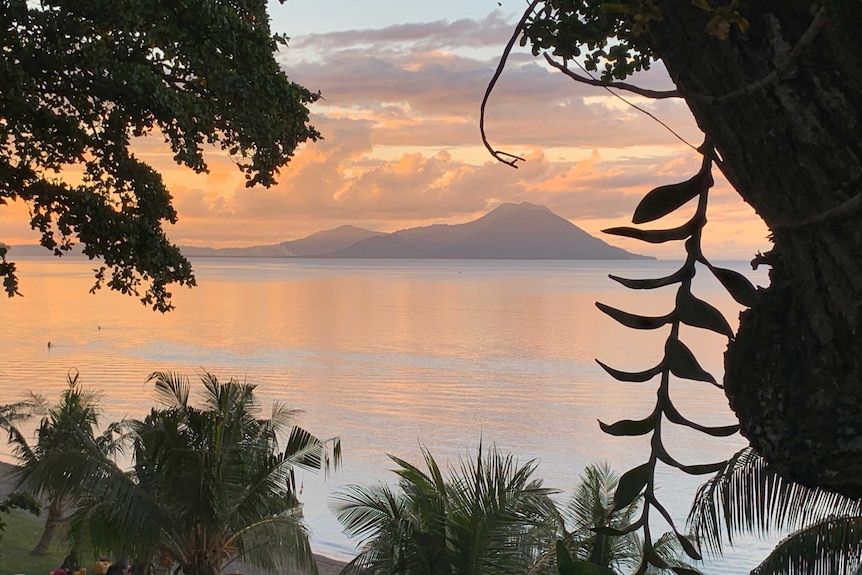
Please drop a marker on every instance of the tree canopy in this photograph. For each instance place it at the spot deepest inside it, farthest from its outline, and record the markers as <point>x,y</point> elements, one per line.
<point>82,80</point>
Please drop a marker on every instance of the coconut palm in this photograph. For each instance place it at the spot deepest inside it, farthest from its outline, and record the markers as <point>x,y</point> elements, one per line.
<point>68,426</point>
<point>488,515</point>
<point>748,496</point>
<point>211,484</point>
<point>589,520</point>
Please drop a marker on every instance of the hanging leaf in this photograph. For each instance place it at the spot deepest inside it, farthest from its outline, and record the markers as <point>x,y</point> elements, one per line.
<point>630,485</point>
<point>675,277</point>
<point>665,199</point>
<point>683,364</point>
<point>654,236</point>
<point>737,285</point>
<point>635,321</point>
<point>632,377</point>
<point>674,416</point>
<point>613,532</point>
<point>654,558</point>
<point>630,427</point>
<point>697,313</point>
<point>704,468</point>
<point>689,547</point>
<point>685,571</point>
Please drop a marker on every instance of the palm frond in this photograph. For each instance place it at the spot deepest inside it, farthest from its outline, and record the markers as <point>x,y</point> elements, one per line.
<point>747,496</point>
<point>366,512</point>
<point>172,388</point>
<point>307,451</point>
<point>276,544</point>
<point>832,546</point>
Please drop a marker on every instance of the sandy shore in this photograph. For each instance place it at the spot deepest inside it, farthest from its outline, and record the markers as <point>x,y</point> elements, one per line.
<point>325,565</point>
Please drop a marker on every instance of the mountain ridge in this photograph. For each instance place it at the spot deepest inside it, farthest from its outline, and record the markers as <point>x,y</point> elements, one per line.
<point>509,231</point>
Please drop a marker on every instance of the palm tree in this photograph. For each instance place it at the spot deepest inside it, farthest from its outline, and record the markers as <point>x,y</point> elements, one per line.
<point>210,485</point>
<point>586,536</point>
<point>748,496</point>
<point>488,515</point>
<point>75,418</point>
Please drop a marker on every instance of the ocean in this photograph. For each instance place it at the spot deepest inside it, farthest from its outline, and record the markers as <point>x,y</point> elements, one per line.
<point>391,355</point>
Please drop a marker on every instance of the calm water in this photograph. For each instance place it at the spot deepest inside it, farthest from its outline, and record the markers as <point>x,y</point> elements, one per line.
<point>388,355</point>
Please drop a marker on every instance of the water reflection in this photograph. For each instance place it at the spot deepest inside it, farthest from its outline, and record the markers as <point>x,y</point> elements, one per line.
<point>387,354</point>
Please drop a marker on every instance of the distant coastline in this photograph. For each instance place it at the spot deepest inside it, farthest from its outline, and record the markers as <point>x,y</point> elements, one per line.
<point>509,232</point>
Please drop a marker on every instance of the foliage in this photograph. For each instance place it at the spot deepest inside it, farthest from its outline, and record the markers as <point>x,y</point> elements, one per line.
<point>678,360</point>
<point>68,426</point>
<point>611,35</point>
<point>82,80</point>
<point>211,483</point>
<point>748,496</point>
<point>596,533</point>
<point>487,515</point>
<point>787,371</point>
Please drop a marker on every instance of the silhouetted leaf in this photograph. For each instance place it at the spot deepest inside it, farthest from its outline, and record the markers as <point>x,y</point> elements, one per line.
<point>683,364</point>
<point>703,469</point>
<point>675,277</point>
<point>612,532</point>
<point>685,571</point>
<point>737,285</point>
<point>629,427</point>
<point>697,313</point>
<point>674,416</point>
<point>654,236</point>
<point>630,486</point>
<point>634,321</point>
<point>632,377</point>
<point>654,558</point>
<point>665,199</point>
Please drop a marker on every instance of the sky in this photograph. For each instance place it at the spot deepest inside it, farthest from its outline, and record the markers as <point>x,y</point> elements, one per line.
<point>402,82</point>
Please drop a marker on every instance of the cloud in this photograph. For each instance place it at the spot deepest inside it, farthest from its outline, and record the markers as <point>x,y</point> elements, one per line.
<point>402,146</point>
<point>492,32</point>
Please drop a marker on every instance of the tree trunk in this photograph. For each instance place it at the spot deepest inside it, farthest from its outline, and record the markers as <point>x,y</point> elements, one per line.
<point>792,147</point>
<point>55,517</point>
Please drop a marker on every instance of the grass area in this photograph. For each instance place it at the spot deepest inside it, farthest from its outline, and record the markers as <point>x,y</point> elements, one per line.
<point>22,533</point>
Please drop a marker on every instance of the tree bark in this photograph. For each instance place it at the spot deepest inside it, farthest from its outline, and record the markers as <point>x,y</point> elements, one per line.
<point>52,521</point>
<point>792,148</point>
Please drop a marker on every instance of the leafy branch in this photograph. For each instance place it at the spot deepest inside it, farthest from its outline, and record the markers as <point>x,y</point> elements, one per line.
<point>678,360</point>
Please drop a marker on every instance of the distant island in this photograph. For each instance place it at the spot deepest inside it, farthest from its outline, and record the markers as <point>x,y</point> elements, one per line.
<point>509,232</point>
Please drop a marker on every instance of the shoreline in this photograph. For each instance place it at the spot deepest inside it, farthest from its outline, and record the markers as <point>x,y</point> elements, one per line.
<point>325,565</point>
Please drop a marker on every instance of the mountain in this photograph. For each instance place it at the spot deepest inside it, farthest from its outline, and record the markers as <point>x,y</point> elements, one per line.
<point>511,231</point>
<point>526,231</point>
<point>383,246</point>
<point>317,244</point>
<point>326,242</point>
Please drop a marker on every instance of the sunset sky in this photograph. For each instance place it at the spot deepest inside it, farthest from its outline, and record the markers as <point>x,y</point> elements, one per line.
<point>402,83</point>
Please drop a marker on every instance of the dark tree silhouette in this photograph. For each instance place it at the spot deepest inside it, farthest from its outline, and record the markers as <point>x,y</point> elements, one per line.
<point>82,79</point>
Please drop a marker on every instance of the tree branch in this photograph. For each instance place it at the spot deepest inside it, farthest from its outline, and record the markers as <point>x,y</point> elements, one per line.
<point>506,158</point>
<point>653,94</point>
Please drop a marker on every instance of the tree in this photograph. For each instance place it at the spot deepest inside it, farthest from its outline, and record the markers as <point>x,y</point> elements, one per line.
<point>773,86</point>
<point>749,497</point>
<point>68,426</point>
<point>210,485</point>
<point>83,79</point>
<point>595,530</point>
<point>488,515</point>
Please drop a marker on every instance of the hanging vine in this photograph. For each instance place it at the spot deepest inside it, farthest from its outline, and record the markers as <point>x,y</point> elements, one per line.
<point>678,360</point>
